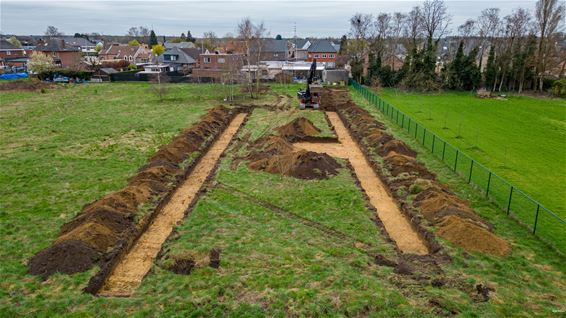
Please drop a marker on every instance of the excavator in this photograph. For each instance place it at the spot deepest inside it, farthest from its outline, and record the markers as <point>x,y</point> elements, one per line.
<point>310,97</point>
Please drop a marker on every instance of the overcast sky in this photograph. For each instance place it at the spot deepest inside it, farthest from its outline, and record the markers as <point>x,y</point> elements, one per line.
<point>312,18</point>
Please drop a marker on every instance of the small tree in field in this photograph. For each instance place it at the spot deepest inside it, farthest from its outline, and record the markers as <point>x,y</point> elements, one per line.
<point>134,43</point>
<point>39,63</point>
<point>157,49</point>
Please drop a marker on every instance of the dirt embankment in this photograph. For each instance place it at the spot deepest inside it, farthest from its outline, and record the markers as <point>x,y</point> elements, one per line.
<point>409,180</point>
<point>275,154</point>
<point>106,226</point>
<point>24,85</point>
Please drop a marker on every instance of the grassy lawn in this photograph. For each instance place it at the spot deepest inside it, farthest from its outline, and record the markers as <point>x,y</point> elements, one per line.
<point>66,147</point>
<point>522,139</point>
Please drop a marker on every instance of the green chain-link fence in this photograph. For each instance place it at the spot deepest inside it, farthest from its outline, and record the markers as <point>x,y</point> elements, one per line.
<point>540,220</point>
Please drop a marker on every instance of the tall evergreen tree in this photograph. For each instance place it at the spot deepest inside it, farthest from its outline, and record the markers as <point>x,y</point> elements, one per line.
<point>152,39</point>
<point>343,45</point>
<point>190,37</point>
<point>183,37</point>
<point>490,69</point>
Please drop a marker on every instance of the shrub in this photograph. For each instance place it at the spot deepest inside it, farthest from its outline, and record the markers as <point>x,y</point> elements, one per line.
<point>559,88</point>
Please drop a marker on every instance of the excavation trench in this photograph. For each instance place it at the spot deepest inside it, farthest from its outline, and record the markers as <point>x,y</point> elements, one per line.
<point>136,263</point>
<point>395,223</point>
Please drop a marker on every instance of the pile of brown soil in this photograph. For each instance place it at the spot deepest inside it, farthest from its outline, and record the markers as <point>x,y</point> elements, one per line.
<point>104,223</point>
<point>471,236</point>
<point>298,129</point>
<point>397,146</point>
<point>301,164</point>
<point>398,163</point>
<point>377,137</point>
<point>24,85</point>
<point>436,203</point>
<point>182,266</point>
<point>66,257</point>
<point>267,146</point>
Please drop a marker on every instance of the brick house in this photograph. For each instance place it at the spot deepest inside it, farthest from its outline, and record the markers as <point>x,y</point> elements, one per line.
<point>11,55</point>
<point>214,66</point>
<point>132,54</point>
<point>271,50</point>
<point>324,52</point>
<point>63,55</point>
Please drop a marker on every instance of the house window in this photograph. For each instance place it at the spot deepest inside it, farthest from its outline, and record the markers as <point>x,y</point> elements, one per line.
<point>125,58</point>
<point>323,56</point>
<point>8,53</point>
<point>206,60</point>
<point>316,56</point>
<point>275,54</point>
<point>171,57</point>
<point>221,60</point>
<point>331,55</point>
<point>130,58</point>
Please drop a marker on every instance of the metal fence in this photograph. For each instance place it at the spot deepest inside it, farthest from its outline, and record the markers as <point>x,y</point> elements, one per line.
<point>538,219</point>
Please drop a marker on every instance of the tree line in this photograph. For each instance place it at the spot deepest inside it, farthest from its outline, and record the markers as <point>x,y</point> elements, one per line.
<point>417,50</point>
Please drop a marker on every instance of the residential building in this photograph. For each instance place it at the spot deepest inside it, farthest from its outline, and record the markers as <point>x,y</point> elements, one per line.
<point>298,49</point>
<point>178,60</point>
<point>133,54</point>
<point>11,55</point>
<point>270,50</point>
<point>214,66</point>
<point>324,52</point>
<point>63,54</point>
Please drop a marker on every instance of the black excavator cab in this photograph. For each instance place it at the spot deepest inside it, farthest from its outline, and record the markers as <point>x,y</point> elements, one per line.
<point>310,97</point>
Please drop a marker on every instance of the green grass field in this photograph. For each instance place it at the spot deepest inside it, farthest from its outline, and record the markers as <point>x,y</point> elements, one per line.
<point>70,146</point>
<point>522,139</point>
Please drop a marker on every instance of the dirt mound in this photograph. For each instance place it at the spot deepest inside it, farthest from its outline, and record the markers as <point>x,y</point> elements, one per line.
<point>301,164</point>
<point>182,266</point>
<point>66,257</point>
<point>399,163</point>
<point>106,216</point>
<point>471,236</point>
<point>376,137</point>
<point>397,146</point>
<point>24,85</point>
<point>298,129</point>
<point>268,146</point>
<point>436,203</point>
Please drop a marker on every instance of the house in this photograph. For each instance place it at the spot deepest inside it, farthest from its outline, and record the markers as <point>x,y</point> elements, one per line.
<point>180,45</point>
<point>216,66</point>
<point>324,52</point>
<point>299,49</point>
<point>63,54</point>
<point>178,60</point>
<point>133,54</point>
<point>271,50</point>
<point>11,55</point>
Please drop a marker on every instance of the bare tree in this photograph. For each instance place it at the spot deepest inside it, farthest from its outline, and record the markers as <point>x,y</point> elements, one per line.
<point>245,30</point>
<point>549,16</point>
<point>133,32</point>
<point>260,32</point>
<point>382,34</point>
<point>413,23</point>
<point>53,31</point>
<point>488,29</point>
<point>396,30</point>
<point>435,19</point>
<point>360,30</point>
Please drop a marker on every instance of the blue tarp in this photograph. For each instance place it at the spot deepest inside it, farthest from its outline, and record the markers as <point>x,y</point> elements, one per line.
<point>13,76</point>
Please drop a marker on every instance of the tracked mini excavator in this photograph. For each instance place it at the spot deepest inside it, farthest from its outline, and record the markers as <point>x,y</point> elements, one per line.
<point>310,97</point>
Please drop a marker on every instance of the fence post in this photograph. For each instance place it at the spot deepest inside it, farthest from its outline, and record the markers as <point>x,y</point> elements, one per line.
<point>509,203</point>
<point>433,140</point>
<point>403,121</point>
<point>443,150</point>
<point>536,219</point>
<point>397,119</point>
<point>416,130</point>
<point>471,167</point>
<point>424,135</point>
<point>488,183</point>
<point>456,160</point>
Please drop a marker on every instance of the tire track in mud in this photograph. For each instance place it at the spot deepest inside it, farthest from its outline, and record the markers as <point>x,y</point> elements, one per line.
<point>395,223</point>
<point>130,271</point>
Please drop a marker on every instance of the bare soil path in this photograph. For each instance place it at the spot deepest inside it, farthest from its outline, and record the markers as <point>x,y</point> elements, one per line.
<point>395,223</point>
<point>130,271</point>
